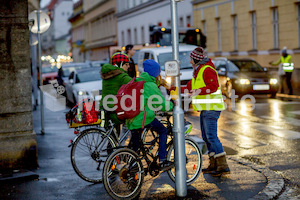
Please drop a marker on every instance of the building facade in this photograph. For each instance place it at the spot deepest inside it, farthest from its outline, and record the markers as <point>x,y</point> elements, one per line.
<point>77,32</point>
<point>134,18</point>
<point>250,28</point>
<point>100,28</point>
<point>56,40</point>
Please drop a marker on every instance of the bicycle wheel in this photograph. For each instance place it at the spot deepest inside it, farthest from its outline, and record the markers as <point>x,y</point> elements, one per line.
<point>89,153</point>
<point>193,161</point>
<point>123,174</point>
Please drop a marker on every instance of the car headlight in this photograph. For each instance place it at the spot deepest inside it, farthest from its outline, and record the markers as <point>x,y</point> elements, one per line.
<point>168,80</point>
<point>80,93</point>
<point>244,81</point>
<point>273,81</point>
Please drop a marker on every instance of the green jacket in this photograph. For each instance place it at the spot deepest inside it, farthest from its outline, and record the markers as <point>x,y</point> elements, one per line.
<point>113,78</point>
<point>150,88</point>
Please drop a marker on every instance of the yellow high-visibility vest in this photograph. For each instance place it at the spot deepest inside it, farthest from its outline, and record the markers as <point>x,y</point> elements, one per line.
<point>287,64</point>
<point>213,101</point>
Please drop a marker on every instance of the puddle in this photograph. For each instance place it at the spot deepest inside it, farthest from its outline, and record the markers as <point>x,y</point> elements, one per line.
<point>49,179</point>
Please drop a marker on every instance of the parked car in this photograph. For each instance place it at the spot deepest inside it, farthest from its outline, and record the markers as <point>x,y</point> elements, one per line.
<point>84,83</point>
<point>49,72</point>
<point>245,76</point>
<point>98,63</point>
<point>66,69</point>
<point>163,54</point>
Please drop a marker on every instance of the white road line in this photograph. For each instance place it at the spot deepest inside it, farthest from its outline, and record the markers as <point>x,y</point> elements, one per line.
<point>295,112</point>
<point>278,131</point>
<point>288,120</point>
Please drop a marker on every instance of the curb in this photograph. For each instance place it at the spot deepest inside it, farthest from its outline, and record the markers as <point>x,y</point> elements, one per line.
<point>18,176</point>
<point>288,96</point>
<point>275,182</point>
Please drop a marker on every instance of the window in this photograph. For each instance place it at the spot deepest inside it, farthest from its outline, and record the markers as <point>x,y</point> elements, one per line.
<point>135,36</point>
<point>143,35</point>
<point>169,23</point>
<point>253,30</point>
<point>235,32</point>
<point>181,21</point>
<point>129,36</point>
<point>188,21</point>
<point>275,28</point>
<point>298,19</point>
<point>123,38</point>
<point>219,34</point>
<point>204,27</point>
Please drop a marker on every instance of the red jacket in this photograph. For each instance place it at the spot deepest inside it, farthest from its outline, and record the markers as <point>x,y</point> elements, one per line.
<point>210,79</point>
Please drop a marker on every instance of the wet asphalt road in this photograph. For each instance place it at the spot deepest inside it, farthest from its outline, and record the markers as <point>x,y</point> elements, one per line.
<point>266,132</point>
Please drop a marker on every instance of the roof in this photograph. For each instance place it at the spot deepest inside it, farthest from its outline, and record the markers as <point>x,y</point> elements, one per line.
<point>169,49</point>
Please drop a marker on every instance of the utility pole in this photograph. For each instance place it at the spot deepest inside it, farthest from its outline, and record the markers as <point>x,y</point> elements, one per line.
<point>178,114</point>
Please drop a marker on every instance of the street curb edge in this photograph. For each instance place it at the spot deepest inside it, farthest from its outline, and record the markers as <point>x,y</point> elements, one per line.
<point>275,181</point>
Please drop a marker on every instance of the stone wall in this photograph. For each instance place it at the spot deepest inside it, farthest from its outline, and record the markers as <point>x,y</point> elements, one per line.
<point>18,146</point>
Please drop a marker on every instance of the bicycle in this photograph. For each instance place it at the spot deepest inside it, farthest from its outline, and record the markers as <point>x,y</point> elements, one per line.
<point>91,147</point>
<point>124,169</point>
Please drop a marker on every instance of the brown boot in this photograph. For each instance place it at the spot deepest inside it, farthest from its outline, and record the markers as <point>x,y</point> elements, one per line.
<point>212,165</point>
<point>222,166</point>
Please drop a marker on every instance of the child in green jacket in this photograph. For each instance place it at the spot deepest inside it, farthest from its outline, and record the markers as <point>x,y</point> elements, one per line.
<point>153,101</point>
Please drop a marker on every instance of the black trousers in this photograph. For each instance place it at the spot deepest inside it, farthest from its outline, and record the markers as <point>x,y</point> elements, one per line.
<point>288,79</point>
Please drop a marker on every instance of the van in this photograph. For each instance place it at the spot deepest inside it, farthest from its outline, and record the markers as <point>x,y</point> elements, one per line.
<point>165,53</point>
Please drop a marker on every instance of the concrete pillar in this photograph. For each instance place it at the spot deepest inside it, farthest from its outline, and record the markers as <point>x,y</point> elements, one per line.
<point>18,146</point>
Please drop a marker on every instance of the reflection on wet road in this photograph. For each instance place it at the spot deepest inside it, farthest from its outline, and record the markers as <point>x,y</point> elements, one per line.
<point>265,129</point>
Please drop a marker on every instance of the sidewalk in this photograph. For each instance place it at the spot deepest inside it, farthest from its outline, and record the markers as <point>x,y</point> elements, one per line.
<point>57,179</point>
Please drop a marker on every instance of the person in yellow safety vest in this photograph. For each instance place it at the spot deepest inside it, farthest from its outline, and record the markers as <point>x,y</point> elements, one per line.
<point>207,97</point>
<point>285,70</point>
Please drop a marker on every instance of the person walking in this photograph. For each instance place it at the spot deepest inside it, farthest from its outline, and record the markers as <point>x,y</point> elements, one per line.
<point>285,70</point>
<point>151,72</point>
<point>207,98</point>
<point>130,52</point>
<point>114,75</point>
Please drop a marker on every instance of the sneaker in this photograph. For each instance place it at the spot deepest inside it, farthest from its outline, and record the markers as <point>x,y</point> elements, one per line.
<point>165,165</point>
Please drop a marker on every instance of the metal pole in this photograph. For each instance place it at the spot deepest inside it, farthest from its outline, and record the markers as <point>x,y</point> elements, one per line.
<point>40,73</point>
<point>34,75</point>
<point>178,116</point>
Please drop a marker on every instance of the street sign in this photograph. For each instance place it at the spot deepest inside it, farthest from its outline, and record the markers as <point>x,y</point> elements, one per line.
<point>172,68</point>
<point>44,21</point>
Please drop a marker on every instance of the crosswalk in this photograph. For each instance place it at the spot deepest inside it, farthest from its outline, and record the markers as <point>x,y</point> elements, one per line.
<point>279,122</point>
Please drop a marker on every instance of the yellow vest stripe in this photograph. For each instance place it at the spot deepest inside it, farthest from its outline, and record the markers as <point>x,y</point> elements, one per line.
<point>213,101</point>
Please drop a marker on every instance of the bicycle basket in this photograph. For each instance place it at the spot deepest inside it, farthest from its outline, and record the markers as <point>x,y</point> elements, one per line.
<point>83,114</point>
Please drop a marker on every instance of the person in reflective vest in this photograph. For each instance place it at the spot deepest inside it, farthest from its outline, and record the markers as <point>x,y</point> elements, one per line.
<point>207,98</point>
<point>286,67</point>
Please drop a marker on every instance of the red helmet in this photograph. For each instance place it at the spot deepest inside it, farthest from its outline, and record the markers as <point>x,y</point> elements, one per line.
<point>119,58</point>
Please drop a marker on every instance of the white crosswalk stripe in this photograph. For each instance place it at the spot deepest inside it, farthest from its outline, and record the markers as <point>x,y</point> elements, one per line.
<point>288,120</point>
<point>295,112</point>
<point>278,131</point>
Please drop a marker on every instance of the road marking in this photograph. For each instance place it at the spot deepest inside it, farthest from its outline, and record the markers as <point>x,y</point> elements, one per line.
<point>240,140</point>
<point>295,112</point>
<point>288,120</point>
<point>278,131</point>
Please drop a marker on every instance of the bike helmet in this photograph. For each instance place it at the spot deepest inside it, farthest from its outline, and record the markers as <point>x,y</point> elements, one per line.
<point>119,58</point>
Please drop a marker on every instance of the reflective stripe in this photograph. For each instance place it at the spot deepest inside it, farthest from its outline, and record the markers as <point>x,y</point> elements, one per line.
<point>207,101</point>
<point>288,64</point>
<point>217,92</point>
<point>288,68</point>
